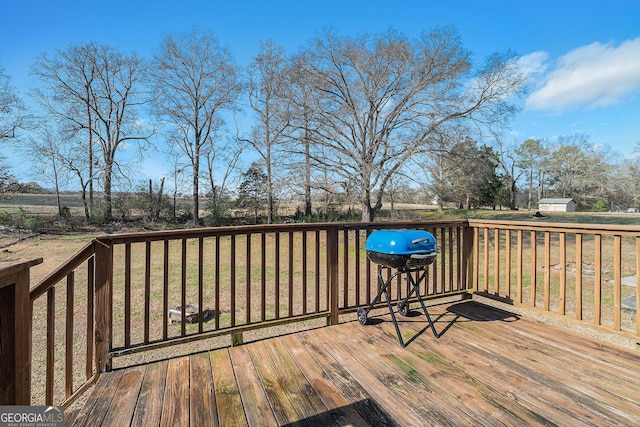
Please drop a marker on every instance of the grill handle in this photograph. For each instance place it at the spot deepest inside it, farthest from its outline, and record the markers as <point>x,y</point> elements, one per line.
<point>422,256</point>
<point>421,239</point>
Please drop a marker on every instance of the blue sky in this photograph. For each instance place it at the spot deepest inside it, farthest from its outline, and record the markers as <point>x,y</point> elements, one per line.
<point>582,56</point>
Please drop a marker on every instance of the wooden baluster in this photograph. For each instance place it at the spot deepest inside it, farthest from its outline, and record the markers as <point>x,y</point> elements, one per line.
<point>597,290</point>
<point>579,276</point>
<point>248,278</point>
<point>332,274</point>
<point>547,270</point>
<point>563,274</point>
<point>68,338</point>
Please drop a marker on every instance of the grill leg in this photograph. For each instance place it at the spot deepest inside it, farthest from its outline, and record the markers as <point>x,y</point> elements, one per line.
<point>424,307</point>
<point>384,286</point>
<point>363,312</point>
<point>388,298</point>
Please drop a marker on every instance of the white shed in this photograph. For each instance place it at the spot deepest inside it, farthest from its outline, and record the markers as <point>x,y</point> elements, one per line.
<point>557,205</point>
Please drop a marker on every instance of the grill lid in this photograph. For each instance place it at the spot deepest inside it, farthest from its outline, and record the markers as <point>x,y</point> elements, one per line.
<point>401,242</point>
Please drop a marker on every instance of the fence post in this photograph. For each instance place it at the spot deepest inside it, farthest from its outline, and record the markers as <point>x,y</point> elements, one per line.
<point>467,258</point>
<point>332,274</point>
<point>103,283</point>
<point>15,332</point>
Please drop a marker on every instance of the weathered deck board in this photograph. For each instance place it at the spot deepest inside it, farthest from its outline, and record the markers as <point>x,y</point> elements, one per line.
<point>202,405</point>
<point>123,404</point>
<point>149,402</point>
<point>489,367</point>
<point>96,407</point>
<point>227,395</point>
<point>175,406</point>
<point>251,390</point>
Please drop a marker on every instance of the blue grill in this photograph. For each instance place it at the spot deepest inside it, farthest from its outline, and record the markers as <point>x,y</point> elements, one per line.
<point>401,248</point>
<point>408,251</point>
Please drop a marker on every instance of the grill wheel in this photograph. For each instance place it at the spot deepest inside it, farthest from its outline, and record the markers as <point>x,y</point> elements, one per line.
<point>362,316</point>
<point>403,308</point>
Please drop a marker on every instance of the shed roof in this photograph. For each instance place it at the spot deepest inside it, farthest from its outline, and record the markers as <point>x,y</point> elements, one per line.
<point>556,201</point>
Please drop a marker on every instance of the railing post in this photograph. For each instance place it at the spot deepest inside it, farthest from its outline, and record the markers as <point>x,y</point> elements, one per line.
<point>467,258</point>
<point>475,257</point>
<point>332,274</point>
<point>103,283</point>
<point>15,333</point>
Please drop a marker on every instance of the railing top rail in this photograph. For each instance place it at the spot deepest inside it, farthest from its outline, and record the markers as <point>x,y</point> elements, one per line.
<point>65,268</point>
<point>11,267</point>
<point>266,228</point>
<point>627,230</point>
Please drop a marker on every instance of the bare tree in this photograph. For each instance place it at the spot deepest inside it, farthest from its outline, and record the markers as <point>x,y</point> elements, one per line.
<point>96,90</point>
<point>46,146</point>
<point>449,148</point>
<point>266,97</point>
<point>194,80</point>
<point>625,183</point>
<point>532,157</point>
<point>384,97</point>
<point>177,172</point>
<point>11,108</point>
<point>508,161</point>
<point>221,165</point>
<point>304,123</point>
<point>60,159</point>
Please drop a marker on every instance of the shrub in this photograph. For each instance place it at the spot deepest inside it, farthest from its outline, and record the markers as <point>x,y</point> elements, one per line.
<point>599,206</point>
<point>6,218</point>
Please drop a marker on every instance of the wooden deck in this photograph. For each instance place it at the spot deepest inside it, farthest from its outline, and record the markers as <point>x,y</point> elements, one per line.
<point>489,367</point>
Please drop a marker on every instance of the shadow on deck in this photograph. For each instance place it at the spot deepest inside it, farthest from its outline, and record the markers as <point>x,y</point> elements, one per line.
<point>488,367</point>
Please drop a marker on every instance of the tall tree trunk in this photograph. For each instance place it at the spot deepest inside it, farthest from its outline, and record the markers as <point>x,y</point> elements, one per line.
<point>196,190</point>
<point>90,125</point>
<point>367,212</point>
<point>307,173</point>
<point>108,203</point>
<point>83,194</point>
<point>269,181</point>
<point>530,197</point>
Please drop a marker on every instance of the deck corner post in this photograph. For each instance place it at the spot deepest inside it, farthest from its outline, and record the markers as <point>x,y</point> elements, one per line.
<point>332,274</point>
<point>237,338</point>
<point>15,332</point>
<point>103,284</point>
<point>467,258</point>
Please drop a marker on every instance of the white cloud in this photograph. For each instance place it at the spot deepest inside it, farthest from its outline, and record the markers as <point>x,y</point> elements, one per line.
<point>590,76</point>
<point>533,64</point>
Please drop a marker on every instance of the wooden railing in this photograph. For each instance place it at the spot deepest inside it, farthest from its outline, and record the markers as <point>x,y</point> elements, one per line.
<point>55,375</point>
<point>571,270</point>
<point>253,277</point>
<point>114,298</point>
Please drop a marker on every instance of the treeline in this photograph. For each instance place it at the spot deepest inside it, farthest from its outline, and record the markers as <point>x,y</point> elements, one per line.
<point>518,175</point>
<point>360,120</point>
